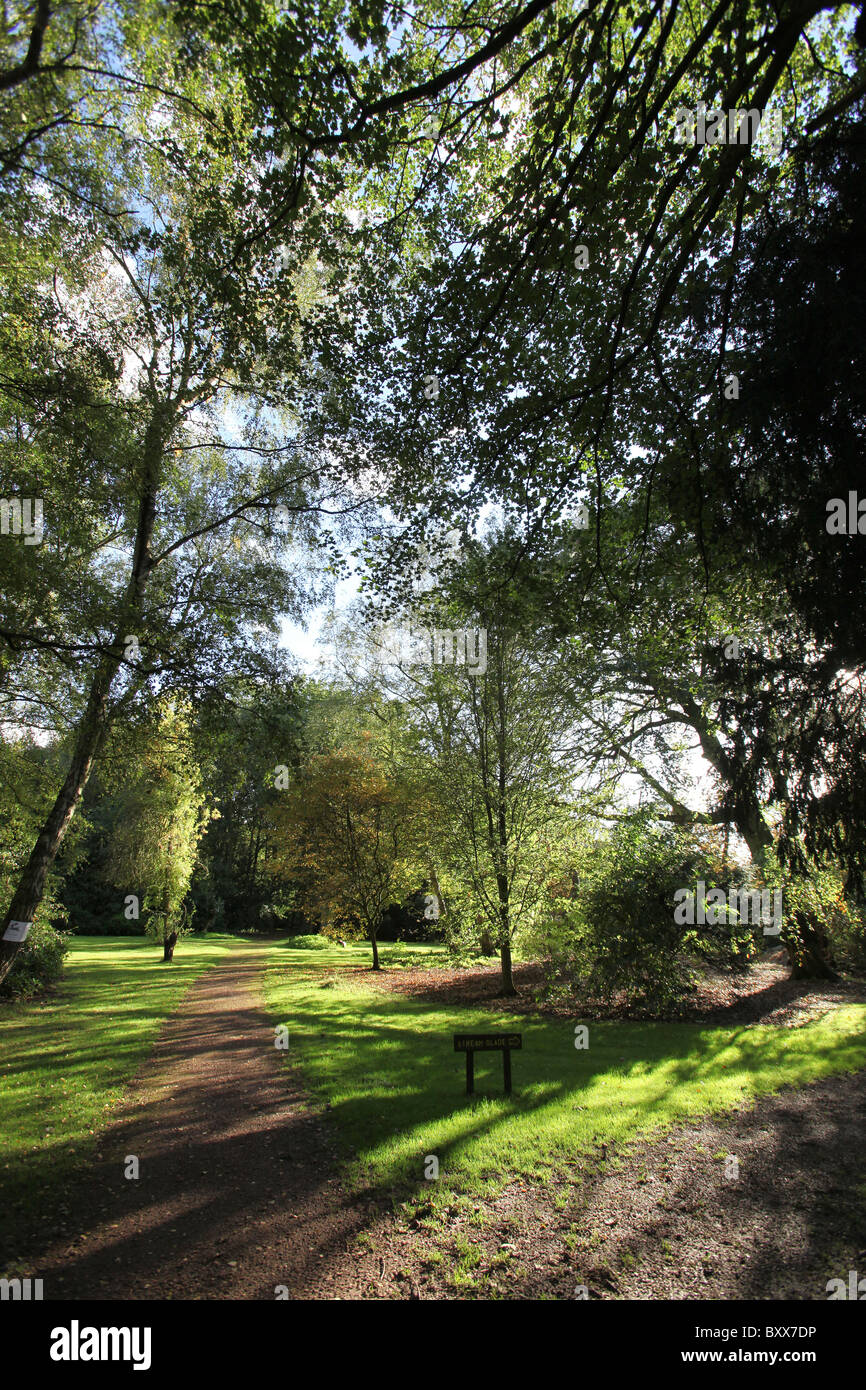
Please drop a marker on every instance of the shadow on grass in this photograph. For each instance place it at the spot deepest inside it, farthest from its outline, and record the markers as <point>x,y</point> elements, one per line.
<point>385,1065</point>
<point>793,1217</point>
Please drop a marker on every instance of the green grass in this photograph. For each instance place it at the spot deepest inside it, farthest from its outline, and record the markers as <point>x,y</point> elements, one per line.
<point>393,955</point>
<point>66,1060</point>
<point>385,1064</point>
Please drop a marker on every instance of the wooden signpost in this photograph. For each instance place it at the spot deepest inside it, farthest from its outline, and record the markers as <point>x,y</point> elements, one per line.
<point>470,1043</point>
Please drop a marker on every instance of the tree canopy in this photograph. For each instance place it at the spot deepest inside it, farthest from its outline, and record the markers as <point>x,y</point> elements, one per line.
<point>537,321</point>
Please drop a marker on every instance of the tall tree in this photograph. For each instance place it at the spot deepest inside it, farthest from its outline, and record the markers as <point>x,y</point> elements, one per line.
<point>492,731</point>
<point>193,317</point>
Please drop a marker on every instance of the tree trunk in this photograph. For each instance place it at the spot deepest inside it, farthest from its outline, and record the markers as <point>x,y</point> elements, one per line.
<point>169,939</point>
<point>31,886</point>
<point>376,965</point>
<point>487,946</point>
<point>754,830</point>
<point>809,957</point>
<point>855,889</point>
<point>808,949</point>
<point>434,882</point>
<point>507,979</point>
<point>505,937</point>
<point>95,720</point>
<point>809,954</point>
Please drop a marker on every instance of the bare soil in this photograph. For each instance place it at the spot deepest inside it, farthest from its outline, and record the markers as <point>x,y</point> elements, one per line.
<point>764,994</point>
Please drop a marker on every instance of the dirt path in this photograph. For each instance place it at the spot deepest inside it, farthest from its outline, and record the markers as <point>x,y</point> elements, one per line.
<point>237,1192</point>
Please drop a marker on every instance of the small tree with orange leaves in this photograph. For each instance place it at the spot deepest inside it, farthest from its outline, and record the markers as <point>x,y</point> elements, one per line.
<point>347,833</point>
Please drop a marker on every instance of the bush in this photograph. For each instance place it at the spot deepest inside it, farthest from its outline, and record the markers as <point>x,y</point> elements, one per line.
<point>836,922</point>
<point>38,965</point>
<point>618,937</point>
<point>847,933</point>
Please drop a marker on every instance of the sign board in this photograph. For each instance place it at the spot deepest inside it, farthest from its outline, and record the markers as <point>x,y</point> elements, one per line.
<point>470,1043</point>
<point>487,1042</point>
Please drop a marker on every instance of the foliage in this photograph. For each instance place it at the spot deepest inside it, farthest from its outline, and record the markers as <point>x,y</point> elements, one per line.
<point>817,909</point>
<point>38,965</point>
<point>241,739</point>
<point>847,932</point>
<point>490,741</point>
<point>162,813</point>
<point>618,938</point>
<point>304,942</point>
<point>28,775</point>
<point>347,830</point>
<point>240,241</point>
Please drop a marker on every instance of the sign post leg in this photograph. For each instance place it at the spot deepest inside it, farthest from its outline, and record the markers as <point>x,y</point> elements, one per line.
<point>470,1071</point>
<point>506,1069</point>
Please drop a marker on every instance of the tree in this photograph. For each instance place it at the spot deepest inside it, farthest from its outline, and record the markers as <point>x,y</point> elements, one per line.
<point>672,647</point>
<point>493,744</point>
<point>161,815</point>
<point>782,452</point>
<point>304,246</point>
<point>247,734</point>
<point>193,563</point>
<point>508,353</point>
<point>347,829</point>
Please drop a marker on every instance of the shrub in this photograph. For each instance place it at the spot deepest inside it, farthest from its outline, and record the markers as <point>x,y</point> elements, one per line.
<point>617,936</point>
<point>847,932</point>
<point>38,965</point>
<point>835,922</point>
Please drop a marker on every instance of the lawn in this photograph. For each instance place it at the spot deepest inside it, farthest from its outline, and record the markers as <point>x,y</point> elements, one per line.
<point>386,1067</point>
<point>66,1060</point>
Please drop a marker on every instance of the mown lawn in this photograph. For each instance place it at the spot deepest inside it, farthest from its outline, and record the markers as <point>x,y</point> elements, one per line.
<point>64,1061</point>
<point>386,1066</point>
